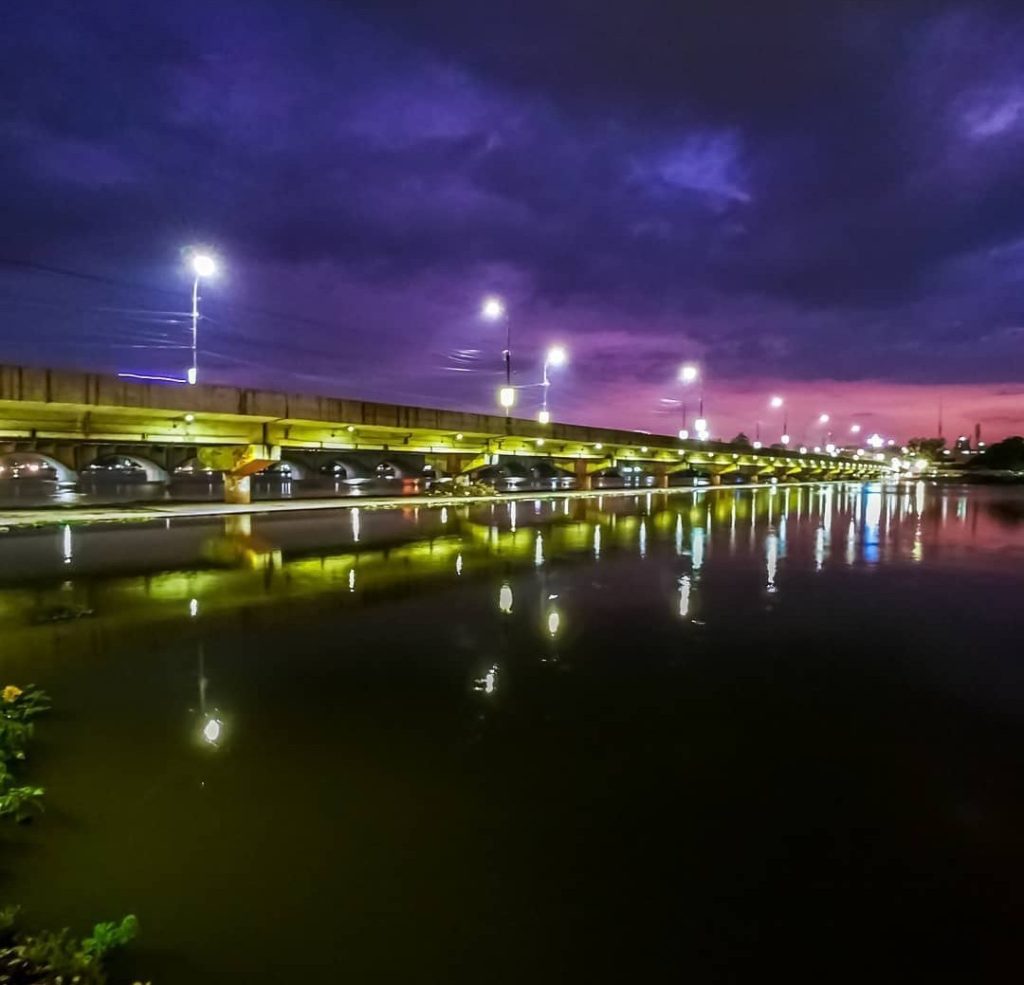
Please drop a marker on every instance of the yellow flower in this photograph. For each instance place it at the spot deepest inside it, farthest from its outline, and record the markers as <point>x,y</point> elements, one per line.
<point>11,693</point>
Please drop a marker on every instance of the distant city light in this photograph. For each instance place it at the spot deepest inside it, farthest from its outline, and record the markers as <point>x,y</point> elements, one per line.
<point>776,402</point>
<point>824,419</point>
<point>785,439</point>
<point>757,444</point>
<point>684,434</point>
<point>876,440</point>
<point>854,429</point>
<point>688,373</point>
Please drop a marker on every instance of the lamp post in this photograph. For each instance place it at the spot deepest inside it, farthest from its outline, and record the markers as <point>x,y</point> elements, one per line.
<point>688,373</point>
<point>556,356</point>
<point>823,420</point>
<point>203,265</point>
<point>776,403</point>
<point>494,309</point>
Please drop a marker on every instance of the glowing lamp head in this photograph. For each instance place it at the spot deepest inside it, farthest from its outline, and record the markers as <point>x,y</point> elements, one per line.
<point>544,417</point>
<point>557,356</point>
<point>493,309</point>
<point>830,447</point>
<point>824,419</point>
<point>212,730</point>
<point>700,424</point>
<point>776,402</point>
<point>876,441</point>
<point>785,439</point>
<point>757,444</point>
<point>803,449</point>
<point>688,373</point>
<point>684,434</point>
<point>192,375</point>
<point>203,265</point>
<point>854,429</point>
<point>507,397</point>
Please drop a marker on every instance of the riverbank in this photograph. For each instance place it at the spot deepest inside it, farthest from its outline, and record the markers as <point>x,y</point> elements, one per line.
<point>134,513</point>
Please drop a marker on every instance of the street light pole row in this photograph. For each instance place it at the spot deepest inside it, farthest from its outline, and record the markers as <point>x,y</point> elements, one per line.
<point>495,310</point>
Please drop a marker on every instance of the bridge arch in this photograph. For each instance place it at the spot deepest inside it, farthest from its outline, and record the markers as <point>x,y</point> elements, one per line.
<point>35,465</point>
<point>286,468</point>
<point>121,464</point>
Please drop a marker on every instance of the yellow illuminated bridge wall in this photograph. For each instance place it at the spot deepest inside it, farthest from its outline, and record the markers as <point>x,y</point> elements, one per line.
<point>77,416</point>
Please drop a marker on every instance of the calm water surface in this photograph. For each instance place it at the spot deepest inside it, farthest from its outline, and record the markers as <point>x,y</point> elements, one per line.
<point>717,734</point>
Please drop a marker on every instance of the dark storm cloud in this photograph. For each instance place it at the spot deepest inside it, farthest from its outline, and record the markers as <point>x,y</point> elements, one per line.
<point>801,190</point>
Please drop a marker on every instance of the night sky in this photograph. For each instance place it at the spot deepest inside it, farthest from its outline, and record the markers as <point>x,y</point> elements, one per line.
<point>816,199</point>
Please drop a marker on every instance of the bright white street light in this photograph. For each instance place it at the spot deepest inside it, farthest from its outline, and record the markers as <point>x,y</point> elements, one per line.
<point>757,444</point>
<point>785,439</point>
<point>700,424</point>
<point>824,419</point>
<point>493,308</point>
<point>776,402</point>
<point>204,265</point>
<point>688,373</point>
<point>507,397</point>
<point>876,441</point>
<point>683,434</point>
<point>854,429</point>
<point>557,356</point>
<point>830,448</point>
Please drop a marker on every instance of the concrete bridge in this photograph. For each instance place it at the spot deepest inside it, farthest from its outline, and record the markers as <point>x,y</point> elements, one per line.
<point>76,418</point>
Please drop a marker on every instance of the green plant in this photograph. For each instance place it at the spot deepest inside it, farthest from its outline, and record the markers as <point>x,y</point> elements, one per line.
<point>46,957</point>
<point>58,956</point>
<point>21,801</point>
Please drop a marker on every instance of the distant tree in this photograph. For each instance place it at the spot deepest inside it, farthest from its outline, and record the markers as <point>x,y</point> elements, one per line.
<point>742,439</point>
<point>1008,454</point>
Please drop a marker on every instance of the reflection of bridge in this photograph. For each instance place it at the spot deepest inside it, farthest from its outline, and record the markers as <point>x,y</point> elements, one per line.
<point>76,418</point>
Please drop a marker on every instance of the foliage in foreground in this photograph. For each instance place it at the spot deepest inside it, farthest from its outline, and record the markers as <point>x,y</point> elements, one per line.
<point>45,957</point>
<point>56,957</point>
<point>18,707</point>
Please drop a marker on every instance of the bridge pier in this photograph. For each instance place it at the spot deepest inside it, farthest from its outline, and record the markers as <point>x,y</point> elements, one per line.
<point>237,489</point>
<point>584,480</point>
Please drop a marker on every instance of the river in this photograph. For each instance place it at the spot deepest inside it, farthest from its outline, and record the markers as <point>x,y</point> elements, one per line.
<point>705,734</point>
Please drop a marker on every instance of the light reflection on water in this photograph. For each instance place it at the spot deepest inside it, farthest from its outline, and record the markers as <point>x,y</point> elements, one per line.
<point>408,712</point>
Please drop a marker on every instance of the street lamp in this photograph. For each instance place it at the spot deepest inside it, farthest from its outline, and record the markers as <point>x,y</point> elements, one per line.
<point>776,403</point>
<point>203,266</point>
<point>854,429</point>
<point>557,356</point>
<point>689,373</point>
<point>493,309</point>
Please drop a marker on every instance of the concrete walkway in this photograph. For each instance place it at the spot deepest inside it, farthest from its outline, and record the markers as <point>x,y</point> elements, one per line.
<point>128,513</point>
